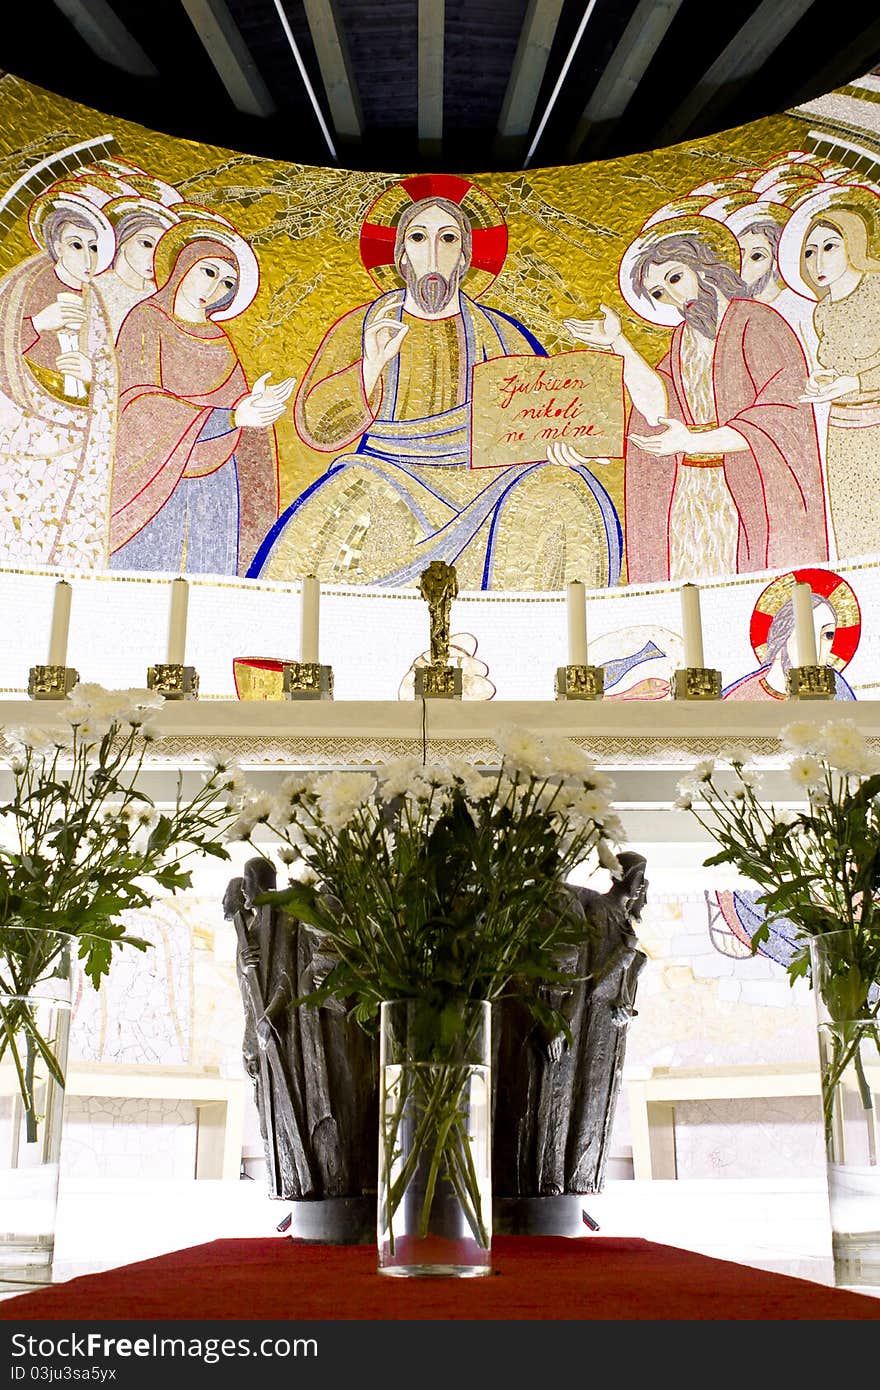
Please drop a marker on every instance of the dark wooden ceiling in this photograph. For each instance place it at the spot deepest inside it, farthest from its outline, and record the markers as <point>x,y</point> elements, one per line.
<point>464,85</point>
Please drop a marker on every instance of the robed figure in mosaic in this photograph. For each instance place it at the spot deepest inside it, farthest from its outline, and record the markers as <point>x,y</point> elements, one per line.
<point>195,481</point>
<point>722,469</point>
<point>388,392</point>
<point>58,388</point>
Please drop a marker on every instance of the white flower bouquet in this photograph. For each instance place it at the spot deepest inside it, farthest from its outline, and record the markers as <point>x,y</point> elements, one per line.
<point>81,843</point>
<point>442,884</point>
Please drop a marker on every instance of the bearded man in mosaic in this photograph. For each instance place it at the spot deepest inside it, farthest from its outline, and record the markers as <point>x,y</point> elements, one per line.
<point>388,392</point>
<point>722,471</point>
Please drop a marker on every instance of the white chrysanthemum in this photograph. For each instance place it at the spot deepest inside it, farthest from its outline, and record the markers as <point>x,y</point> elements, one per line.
<point>522,752</point>
<point>802,736</point>
<point>258,808</point>
<point>303,872</point>
<point>608,859</point>
<point>600,782</point>
<point>565,759</point>
<point>341,796</point>
<point>845,748</point>
<point>475,784</point>
<point>737,755</point>
<point>703,770</point>
<point>684,801</point>
<point>232,781</point>
<point>287,854</point>
<point>437,775</point>
<point>805,771</point>
<point>94,702</point>
<point>220,761</point>
<point>786,816</point>
<point>592,806</point>
<point>34,740</point>
<point>140,815</point>
<point>818,796</point>
<point>398,778</point>
<point>749,777</point>
<point>241,828</point>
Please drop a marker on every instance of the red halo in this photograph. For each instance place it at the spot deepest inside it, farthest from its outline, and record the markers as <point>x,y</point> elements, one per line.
<point>828,585</point>
<point>488,228</point>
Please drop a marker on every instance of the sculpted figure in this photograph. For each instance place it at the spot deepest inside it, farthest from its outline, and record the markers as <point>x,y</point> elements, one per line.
<point>439,586</point>
<point>554,1098</point>
<point>315,1070</point>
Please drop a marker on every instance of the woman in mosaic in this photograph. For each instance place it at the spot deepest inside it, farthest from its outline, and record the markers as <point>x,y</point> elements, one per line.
<point>58,388</point>
<point>830,252</point>
<point>195,479</point>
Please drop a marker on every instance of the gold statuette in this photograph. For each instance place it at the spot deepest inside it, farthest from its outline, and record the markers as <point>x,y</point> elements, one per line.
<point>696,683</point>
<point>438,585</point>
<point>810,683</point>
<point>307,680</point>
<point>174,681</point>
<point>580,682</point>
<point>51,682</point>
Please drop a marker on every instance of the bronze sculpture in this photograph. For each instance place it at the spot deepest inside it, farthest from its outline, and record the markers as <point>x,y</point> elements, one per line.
<point>315,1070</point>
<point>438,584</point>
<point>555,1098</point>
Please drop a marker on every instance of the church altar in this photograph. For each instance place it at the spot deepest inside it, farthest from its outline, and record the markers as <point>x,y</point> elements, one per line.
<point>647,746</point>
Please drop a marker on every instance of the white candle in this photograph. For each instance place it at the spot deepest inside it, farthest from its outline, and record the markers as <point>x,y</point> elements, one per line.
<point>177,623</point>
<point>60,624</point>
<point>576,606</point>
<point>804,631</point>
<point>692,627</point>
<point>308,642</point>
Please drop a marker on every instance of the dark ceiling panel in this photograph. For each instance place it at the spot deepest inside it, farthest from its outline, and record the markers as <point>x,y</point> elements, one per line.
<point>835,37</point>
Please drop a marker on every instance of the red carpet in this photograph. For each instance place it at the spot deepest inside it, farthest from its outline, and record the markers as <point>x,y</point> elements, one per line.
<point>535,1277</point>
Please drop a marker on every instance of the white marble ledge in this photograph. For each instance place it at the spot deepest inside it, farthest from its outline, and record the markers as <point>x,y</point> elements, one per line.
<point>666,720</point>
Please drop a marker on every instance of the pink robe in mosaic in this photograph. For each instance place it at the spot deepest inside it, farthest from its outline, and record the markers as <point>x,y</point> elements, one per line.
<point>172,375</point>
<point>759,373</point>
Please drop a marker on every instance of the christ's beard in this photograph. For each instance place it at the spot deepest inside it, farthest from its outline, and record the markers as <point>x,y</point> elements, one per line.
<point>432,292</point>
<point>702,313</point>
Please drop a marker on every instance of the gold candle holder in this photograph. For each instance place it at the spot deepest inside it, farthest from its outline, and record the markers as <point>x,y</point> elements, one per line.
<point>51,682</point>
<point>810,683</point>
<point>307,680</point>
<point>174,680</point>
<point>696,683</point>
<point>437,681</point>
<point>576,682</point>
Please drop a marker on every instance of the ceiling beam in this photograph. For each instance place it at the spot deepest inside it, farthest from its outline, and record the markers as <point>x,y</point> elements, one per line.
<point>569,58</point>
<point>221,39</point>
<point>431,41</point>
<point>337,75</point>
<point>102,29</point>
<point>624,71</point>
<point>744,56</point>
<point>529,66</point>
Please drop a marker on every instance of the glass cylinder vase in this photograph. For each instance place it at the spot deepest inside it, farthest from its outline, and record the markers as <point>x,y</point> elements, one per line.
<point>36,994</point>
<point>434,1210</point>
<point>849,1062</point>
